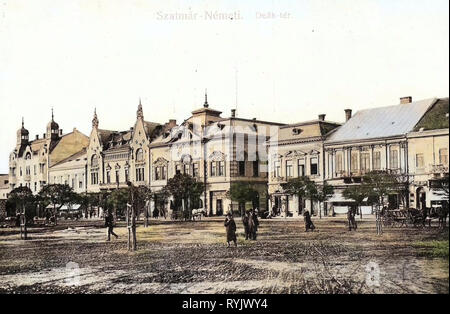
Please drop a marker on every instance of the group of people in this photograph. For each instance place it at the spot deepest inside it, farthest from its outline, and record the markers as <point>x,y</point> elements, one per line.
<point>250,222</point>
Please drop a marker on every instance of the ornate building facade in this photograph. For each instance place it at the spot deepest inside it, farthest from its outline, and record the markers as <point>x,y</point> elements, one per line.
<point>373,139</point>
<point>217,151</point>
<point>30,161</point>
<point>296,151</point>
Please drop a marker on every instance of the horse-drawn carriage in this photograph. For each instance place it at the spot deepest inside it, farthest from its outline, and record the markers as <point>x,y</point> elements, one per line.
<point>412,217</point>
<point>196,214</point>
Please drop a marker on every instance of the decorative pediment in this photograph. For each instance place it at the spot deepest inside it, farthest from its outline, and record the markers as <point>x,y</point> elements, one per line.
<point>295,153</point>
<point>217,156</point>
<point>314,152</point>
<point>160,161</point>
<point>186,159</point>
<point>108,167</point>
<point>117,166</point>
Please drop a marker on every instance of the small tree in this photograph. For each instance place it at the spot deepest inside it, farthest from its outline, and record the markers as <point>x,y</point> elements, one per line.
<point>118,200</point>
<point>241,192</point>
<point>356,193</point>
<point>185,189</point>
<point>301,186</point>
<point>22,197</point>
<point>379,184</point>
<point>57,195</point>
<point>143,197</point>
<point>320,193</point>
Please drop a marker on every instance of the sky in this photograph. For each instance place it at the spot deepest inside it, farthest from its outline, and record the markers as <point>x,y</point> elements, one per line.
<point>283,61</point>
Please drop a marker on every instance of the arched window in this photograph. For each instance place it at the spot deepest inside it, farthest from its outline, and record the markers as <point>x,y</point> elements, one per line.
<point>139,155</point>
<point>28,156</point>
<point>94,161</point>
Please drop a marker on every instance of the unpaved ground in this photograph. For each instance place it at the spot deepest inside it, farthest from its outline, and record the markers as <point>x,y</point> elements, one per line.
<point>190,257</point>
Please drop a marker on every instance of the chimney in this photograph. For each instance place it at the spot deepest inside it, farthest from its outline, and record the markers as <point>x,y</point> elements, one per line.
<point>405,100</point>
<point>233,113</point>
<point>172,123</point>
<point>322,117</point>
<point>37,136</point>
<point>348,114</point>
<point>60,132</point>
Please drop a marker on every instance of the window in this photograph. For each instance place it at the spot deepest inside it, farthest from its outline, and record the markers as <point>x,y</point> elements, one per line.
<point>163,173</point>
<point>256,168</point>
<point>213,169</point>
<point>94,161</point>
<point>108,177</point>
<point>354,161</point>
<point>126,175</point>
<point>187,168</point>
<point>195,172</point>
<point>221,168</point>
<point>393,158</point>
<point>177,169</point>
<point>377,160</point>
<point>34,170</point>
<point>140,155</point>
<point>140,174</point>
<point>242,168</point>
<point>289,172</point>
<point>419,161</point>
<point>157,173</point>
<point>365,161</point>
<point>80,184</point>
<point>117,176</point>
<point>443,156</point>
<point>314,166</point>
<point>73,183</point>
<point>301,168</point>
<point>94,178</point>
<point>339,163</point>
<point>35,186</point>
<point>277,169</point>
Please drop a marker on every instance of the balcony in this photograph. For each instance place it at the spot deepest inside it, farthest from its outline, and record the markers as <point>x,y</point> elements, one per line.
<point>439,170</point>
<point>275,179</point>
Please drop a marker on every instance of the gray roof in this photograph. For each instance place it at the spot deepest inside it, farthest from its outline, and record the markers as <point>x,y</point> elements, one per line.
<point>382,122</point>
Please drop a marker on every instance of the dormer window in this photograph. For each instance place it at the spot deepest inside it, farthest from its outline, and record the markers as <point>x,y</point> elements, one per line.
<point>296,131</point>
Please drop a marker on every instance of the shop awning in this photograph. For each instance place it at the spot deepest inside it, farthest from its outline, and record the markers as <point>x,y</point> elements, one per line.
<point>436,195</point>
<point>339,198</point>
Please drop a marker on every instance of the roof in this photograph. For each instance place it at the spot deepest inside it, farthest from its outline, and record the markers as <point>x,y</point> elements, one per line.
<point>152,129</point>
<point>382,122</point>
<point>77,155</point>
<point>436,118</point>
<point>303,131</point>
<point>113,139</point>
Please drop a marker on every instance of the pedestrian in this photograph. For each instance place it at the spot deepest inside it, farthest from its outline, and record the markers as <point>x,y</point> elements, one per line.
<point>308,222</point>
<point>109,223</point>
<point>253,224</point>
<point>245,222</point>
<point>230,227</point>
<point>351,218</point>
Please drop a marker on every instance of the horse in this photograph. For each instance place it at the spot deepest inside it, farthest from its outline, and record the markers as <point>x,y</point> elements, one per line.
<point>441,213</point>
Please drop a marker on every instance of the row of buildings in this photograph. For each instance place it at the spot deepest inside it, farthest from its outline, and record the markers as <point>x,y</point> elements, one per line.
<point>409,138</point>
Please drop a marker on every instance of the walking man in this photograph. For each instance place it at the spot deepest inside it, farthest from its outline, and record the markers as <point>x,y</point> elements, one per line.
<point>308,222</point>
<point>109,223</point>
<point>351,218</point>
<point>230,227</point>
<point>245,222</point>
